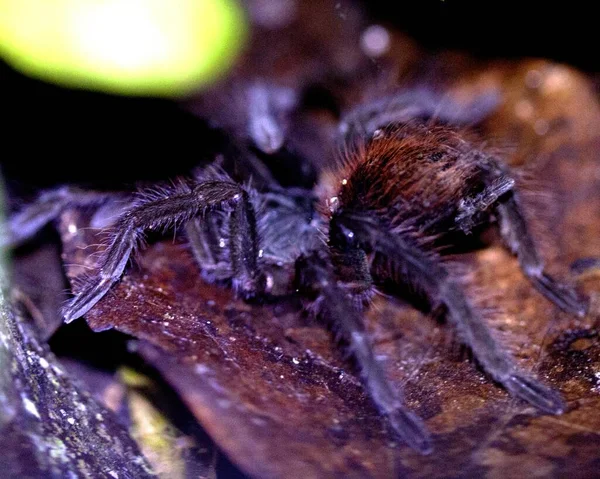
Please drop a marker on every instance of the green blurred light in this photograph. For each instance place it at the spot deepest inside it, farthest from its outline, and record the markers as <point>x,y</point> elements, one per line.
<point>139,47</point>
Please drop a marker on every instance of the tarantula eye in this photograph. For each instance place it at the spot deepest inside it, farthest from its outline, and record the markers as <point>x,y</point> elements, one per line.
<point>333,204</point>
<point>349,234</point>
<point>269,282</point>
<point>277,280</point>
<point>378,134</point>
<point>342,235</point>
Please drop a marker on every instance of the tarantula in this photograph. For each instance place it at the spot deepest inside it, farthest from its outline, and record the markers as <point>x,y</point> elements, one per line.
<point>380,216</point>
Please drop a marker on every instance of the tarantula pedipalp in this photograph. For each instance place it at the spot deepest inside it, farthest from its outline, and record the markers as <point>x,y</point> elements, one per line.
<point>406,184</point>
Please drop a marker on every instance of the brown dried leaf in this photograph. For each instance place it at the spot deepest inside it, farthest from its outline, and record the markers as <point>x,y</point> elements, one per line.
<point>272,391</point>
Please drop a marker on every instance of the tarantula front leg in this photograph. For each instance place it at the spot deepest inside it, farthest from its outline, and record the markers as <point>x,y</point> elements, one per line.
<point>170,209</point>
<point>515,232</point>
<point>46,208</point>
<point>431,277</point>
<point>333,304</point>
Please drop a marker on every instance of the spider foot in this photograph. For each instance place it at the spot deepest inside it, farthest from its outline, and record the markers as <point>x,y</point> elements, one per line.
<point>82,303</point>
<point>535,393</point>
<point>411,430</point>
<point>562,295</point>
<point>583,265</point>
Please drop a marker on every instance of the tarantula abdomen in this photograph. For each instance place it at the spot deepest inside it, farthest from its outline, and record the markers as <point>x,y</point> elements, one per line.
<point>415,177</point>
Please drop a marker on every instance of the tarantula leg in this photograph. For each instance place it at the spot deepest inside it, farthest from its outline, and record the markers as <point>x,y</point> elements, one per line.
<point>46,208</point>
<point>269,107</point>
<point>432,278</point>
<point>415,103</point>
<point>204,240</point>
<point>513,228</point>
<point>243,247</point>
<point>583,265</point>
<point>166,211</point>
<point>469,208</point>
<point>333,304</point>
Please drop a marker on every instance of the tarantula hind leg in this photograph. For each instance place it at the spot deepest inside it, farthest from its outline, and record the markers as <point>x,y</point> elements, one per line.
<point>333,304</point>
<point>425,272</point>
<point>167,209</point>
<point>515,232</point>
<point>469,208</point>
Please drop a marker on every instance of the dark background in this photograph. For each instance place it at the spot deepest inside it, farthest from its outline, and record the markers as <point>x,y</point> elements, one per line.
<point>564,31</point>
<point>52,135</point>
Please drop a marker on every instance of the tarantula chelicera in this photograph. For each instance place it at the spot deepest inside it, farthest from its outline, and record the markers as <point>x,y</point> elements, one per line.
<point>380,216</point>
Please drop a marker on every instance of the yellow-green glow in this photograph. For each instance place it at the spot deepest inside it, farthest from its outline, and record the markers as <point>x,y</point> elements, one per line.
<point>144,47</point>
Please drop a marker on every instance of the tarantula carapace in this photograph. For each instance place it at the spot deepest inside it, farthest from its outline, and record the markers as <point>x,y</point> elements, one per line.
<point>380,216</point>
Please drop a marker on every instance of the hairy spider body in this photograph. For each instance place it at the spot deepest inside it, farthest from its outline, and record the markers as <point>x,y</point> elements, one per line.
<point>381,215</point>
<point>411,176</point>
